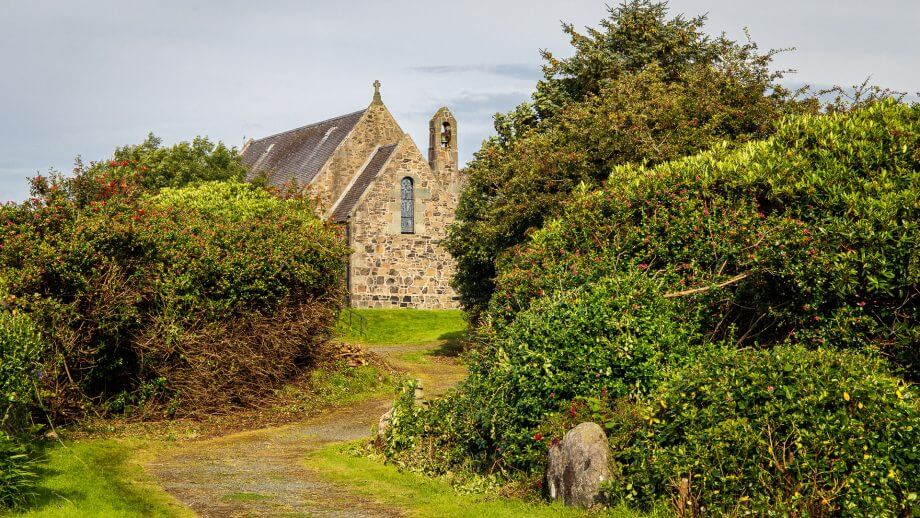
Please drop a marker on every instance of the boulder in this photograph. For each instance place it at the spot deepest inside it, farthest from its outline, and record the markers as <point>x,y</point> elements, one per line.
<point>578,465</point>
<point>419,391</point>
<point>386,420</point>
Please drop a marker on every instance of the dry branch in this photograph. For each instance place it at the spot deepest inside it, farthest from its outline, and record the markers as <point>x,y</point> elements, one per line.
<point>704,289</point>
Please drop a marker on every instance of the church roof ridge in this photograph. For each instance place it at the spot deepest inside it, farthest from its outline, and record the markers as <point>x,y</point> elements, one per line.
<point>299,154</point>
<point>308,126</point>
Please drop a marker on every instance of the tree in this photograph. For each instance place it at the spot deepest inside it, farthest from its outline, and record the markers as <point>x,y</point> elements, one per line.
<point>642,88</point>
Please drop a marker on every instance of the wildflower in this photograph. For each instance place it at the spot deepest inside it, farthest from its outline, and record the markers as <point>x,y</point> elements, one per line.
<point>770,388</point>
<point>643,266</point>
<point>538,436</point>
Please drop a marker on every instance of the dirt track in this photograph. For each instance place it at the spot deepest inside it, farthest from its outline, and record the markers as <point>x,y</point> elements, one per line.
<point>262,472</point>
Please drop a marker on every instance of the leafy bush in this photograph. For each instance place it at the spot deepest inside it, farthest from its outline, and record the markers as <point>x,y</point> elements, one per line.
<point>810,236</point>
<point>18,471</point>
<point>147,167</point>
<point>642,89</point>
<point>179,165</point>
<point>190,299</point>
<point>614,337</point>
<point>20,350</point>
<point>787,430</point>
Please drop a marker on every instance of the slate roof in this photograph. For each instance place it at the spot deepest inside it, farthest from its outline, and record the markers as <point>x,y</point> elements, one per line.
<point>300,153</point>
<point>371,170</point>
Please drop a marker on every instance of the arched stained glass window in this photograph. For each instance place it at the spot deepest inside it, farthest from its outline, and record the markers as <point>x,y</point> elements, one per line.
<point>408,206</point>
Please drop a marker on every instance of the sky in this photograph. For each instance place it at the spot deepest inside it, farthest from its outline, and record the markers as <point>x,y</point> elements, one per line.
<point>81,78</point>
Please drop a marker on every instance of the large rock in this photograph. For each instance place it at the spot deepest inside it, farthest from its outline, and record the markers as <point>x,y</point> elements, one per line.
<point>419,391</point>
<point>383,425</point>
<point>578,465</point>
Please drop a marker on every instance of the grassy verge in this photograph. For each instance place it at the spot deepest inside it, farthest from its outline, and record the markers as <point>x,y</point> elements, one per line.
<point>426,497</point>
<point>100,478</point>
<point>400,326</point>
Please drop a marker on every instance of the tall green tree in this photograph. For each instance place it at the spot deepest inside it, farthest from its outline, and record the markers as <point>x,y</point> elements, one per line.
<point>151,166</point>
<point>642,88</point>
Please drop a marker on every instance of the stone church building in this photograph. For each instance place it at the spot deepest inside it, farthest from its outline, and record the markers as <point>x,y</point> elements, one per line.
<point>395,205</point>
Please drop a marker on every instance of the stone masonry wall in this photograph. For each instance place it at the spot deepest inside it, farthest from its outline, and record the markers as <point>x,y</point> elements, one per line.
<point>391,269</point>
<point>376,127</point>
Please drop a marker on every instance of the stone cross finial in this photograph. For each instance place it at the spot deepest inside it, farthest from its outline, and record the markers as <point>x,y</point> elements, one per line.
<point>377,91</point>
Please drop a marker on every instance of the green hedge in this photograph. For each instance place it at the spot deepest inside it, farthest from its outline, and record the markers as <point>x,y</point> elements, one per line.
<point>808,238</point>
<point>182,301</point>
<point>20,366</point>
<point>614,337</point>
<point>786,430</point>
<point>813,232</point>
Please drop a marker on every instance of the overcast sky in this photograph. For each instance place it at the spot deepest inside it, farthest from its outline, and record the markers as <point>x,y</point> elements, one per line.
<point>82,77</point>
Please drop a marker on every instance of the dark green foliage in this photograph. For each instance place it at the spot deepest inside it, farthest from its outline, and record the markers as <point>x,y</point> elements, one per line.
<point>787,430</point>
<point>175,302</point>
<point>642,89</point>
<point>815,232</point>
<point>807,238</point>
<point>614,337</point>
<point>182,164</point>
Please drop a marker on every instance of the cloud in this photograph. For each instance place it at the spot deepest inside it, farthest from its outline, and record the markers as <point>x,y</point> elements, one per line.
<point>524,71</point>
<point>85,77</point>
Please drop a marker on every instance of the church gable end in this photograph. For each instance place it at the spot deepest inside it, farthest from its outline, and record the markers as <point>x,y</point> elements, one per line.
<point>395,265</point>
<point>365,173</point>
<point>377,127</point>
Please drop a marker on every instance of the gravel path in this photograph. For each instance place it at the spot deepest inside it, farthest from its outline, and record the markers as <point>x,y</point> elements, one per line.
<point>263,473</point>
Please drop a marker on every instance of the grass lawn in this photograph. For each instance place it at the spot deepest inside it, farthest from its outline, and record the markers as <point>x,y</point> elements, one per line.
<point>100,477</point>
<point>400,326</point>
<point>426,497</point>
